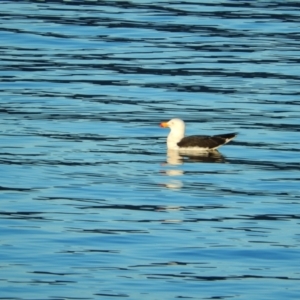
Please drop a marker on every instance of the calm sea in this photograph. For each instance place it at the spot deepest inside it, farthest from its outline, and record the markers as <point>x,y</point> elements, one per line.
<point>93,206</point>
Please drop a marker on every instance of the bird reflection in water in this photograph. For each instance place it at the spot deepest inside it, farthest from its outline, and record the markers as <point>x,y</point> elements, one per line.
<point>176,158</point>
<point>179,157</point>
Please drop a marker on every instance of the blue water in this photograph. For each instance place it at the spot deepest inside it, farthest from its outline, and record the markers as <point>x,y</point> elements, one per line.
<point>92,204</point>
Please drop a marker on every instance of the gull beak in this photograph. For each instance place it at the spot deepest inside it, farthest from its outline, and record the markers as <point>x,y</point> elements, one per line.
<point>164,124</point>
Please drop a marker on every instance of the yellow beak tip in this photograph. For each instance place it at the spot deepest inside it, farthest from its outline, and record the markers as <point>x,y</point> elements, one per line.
<point>163,124</point>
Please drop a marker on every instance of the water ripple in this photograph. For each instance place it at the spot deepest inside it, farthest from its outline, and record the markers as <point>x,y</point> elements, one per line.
<point>93,206</point>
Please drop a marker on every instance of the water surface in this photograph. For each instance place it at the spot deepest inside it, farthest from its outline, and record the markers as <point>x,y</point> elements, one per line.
<point>93,206</point>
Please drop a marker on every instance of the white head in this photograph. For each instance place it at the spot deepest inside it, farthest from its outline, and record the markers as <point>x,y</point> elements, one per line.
<point>176,134</point>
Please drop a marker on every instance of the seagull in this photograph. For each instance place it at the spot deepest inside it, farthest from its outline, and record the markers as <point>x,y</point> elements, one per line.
<point>177,141</point>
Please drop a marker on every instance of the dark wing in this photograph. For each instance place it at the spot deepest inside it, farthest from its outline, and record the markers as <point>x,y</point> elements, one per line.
<point>205,141</point>
<point>226,136</point>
